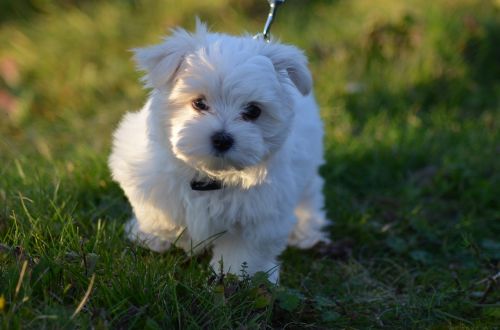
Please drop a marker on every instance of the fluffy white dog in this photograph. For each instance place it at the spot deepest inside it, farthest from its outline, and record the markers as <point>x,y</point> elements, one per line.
<point>226,151</point>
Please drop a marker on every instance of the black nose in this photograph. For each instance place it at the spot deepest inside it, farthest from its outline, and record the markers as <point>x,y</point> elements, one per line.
<point>222,141</point>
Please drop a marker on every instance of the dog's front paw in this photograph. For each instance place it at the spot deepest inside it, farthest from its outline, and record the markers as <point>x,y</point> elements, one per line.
<point>147,240</point>
<point>219,266</point>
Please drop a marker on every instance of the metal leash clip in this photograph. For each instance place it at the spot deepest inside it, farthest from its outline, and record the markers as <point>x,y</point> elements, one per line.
<point>273,7</point>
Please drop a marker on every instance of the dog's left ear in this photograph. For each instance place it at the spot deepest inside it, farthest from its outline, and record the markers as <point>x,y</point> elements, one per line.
<point>293,61</point>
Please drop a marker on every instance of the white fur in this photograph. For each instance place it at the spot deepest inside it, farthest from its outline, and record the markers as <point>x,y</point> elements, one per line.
<point>272,190</point>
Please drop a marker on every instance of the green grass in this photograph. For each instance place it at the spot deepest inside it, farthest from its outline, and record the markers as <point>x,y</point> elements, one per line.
<point>409,92</point>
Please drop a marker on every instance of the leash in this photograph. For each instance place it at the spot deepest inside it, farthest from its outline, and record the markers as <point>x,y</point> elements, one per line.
<point>273,8</point>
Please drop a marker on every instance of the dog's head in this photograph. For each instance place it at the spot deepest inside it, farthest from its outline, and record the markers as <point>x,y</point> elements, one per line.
<point>227,101</point>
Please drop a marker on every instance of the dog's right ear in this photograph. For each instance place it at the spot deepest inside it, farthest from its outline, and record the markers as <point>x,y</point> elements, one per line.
<point>161,62</point>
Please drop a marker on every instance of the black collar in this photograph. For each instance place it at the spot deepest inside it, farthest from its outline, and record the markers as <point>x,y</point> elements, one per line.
<point>206,185</point>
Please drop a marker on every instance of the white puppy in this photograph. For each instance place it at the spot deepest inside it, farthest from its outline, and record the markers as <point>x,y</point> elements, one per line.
<point>226,151</point>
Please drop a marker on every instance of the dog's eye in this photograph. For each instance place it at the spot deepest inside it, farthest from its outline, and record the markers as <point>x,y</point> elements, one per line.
<point>199,104</point>
<point>252,112</point>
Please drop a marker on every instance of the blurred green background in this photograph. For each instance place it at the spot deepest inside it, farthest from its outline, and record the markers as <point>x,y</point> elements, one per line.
<point>409,92</point>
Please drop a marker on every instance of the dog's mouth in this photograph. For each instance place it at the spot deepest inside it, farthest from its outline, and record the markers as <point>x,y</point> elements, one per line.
<point>222,163</point>
<point>217,163</point>
<point>224,170</point>
<point>214,163</point>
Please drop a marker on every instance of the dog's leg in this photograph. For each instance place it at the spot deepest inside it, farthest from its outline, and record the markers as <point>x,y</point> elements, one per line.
<point>256,248</point>
<point>312,221</point>
<point>145,239</point>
